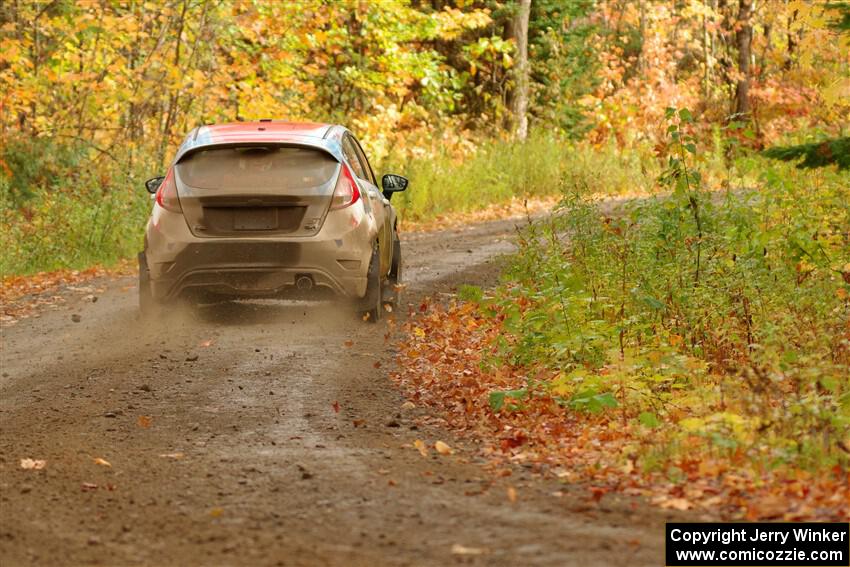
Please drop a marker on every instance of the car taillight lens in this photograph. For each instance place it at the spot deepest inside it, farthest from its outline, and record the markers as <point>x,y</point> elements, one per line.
<point>166,195</point>
<point>346,192</point>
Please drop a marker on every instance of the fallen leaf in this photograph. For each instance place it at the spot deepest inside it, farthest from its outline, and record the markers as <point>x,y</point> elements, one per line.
<point>33,464</point>
<point>349,343</point>
<point>335,406</point>
<point>676,504</point>
<point>597,493</point>
<point>205,344</point>
<point>443,448</point>
<point>376,364</point>
<point>458,549</point>
<point>86,486</point>
<point>216,512</point>
<point>359,422</point>
<point>408,405</point>
<point>102,462</point>
<point>512,494</point>
<point>144,421</point>
<point>172,455</point>
<point>423,450</point>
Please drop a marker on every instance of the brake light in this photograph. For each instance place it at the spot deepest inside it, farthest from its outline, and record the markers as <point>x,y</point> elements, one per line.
<point>166,195</point>
<point>346,192</point>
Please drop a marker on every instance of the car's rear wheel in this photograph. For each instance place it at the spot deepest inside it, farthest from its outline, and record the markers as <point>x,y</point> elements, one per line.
<point>371,306</point>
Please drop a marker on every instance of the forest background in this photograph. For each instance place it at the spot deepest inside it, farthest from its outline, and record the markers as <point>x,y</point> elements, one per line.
<point>504,97</point>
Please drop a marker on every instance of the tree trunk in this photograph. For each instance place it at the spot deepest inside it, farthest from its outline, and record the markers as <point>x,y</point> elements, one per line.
<point>521,70</point>
<point>744,39</point>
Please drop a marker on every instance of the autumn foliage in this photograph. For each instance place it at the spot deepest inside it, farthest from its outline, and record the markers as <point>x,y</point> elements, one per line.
<point>95,96</point>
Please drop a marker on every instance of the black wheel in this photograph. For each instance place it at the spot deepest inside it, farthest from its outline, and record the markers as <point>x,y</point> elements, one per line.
<point>392,292</point>
<point>148,306</point>
<point>371,306</point>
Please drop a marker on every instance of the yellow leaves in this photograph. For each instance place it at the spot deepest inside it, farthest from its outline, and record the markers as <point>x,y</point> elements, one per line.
<point>443,448</point>
<point>692,424</point>
<point>451,22</point>
<point>102,462</point>
<point>836,93</point>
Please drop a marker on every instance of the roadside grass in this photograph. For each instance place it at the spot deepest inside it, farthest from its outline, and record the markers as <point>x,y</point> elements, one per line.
<point>67,206</point>
<point>693,346</point>
<point>500,171</point>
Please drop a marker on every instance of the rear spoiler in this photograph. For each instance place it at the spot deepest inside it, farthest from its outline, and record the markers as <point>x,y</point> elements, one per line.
<point>192,145</point>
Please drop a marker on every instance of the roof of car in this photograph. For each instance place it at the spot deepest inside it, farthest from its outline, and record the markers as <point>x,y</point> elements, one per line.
<point>250,130</point>
<point>311,134</point>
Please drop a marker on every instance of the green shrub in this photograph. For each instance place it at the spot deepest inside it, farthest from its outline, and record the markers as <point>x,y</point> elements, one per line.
<point>721,315</point>
<point>68,209</point>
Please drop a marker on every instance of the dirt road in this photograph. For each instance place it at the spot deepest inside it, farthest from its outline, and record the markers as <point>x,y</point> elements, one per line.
<point>235,454</point>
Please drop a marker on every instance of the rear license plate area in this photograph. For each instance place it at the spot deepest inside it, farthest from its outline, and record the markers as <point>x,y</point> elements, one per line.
<point>263,218</point>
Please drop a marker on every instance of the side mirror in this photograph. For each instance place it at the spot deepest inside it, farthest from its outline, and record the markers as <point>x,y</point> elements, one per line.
<point>153,184</point>
<point>392,183</point>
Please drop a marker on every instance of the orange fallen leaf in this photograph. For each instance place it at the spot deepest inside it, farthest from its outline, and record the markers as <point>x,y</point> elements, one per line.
<point>511,494</point>
<point>102,462</point>
<point>205,344</point>
<point>676,504</point>
<point>376,364</point>
<point>443,448</point>
<point>420,446</point>
<point>597,493</point>
<point>145,421</point>
<point>349,343</point>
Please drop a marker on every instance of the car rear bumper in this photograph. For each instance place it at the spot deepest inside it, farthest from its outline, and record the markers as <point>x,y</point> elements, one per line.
<point>335,260</point>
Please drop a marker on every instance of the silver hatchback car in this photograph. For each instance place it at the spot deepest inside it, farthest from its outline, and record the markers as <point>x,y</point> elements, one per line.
<point>272,209</point>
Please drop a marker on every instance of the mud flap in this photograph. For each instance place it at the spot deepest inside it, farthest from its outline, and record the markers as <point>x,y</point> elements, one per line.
<point>148,306</point>
<point>371,306</point>
<point>392,291</point>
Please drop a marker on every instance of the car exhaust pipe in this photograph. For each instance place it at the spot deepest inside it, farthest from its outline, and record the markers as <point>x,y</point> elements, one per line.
<point>303,282</point>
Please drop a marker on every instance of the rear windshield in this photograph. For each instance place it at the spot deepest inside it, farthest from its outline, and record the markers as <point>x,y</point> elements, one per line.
<point>257,168</point>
